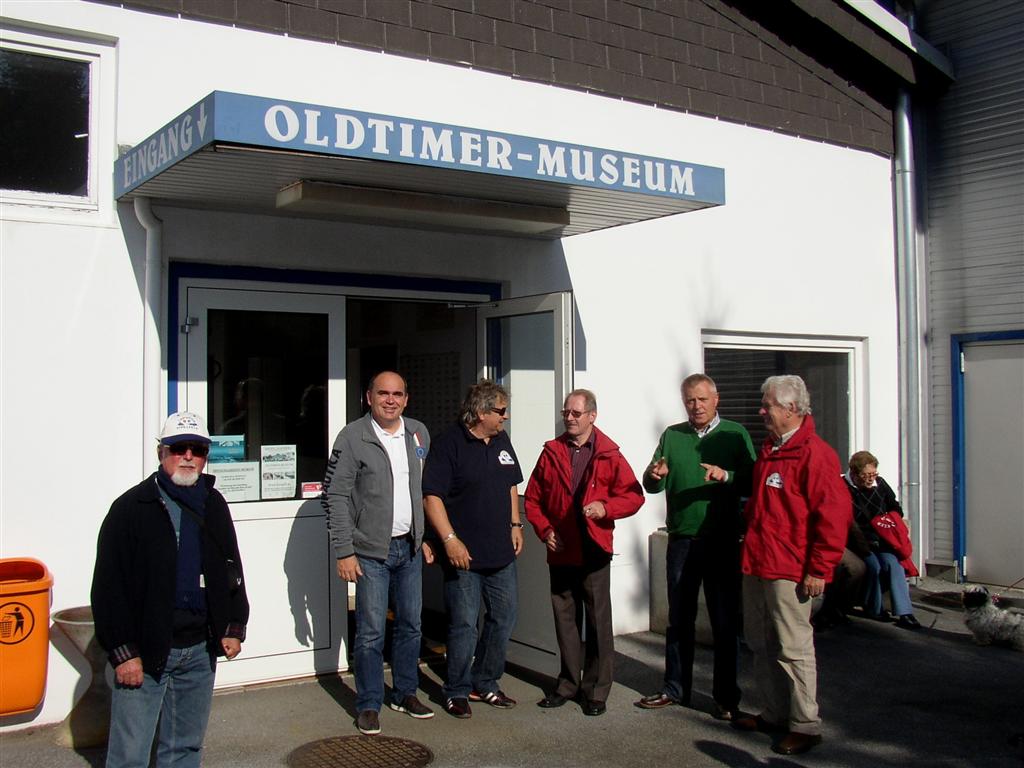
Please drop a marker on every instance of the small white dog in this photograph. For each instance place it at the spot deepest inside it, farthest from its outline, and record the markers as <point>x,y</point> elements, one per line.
<point>990,624</point>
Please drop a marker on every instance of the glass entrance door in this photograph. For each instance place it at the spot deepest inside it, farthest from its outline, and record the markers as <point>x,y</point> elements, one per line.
<point>265,366</point>
<point>525,344</point>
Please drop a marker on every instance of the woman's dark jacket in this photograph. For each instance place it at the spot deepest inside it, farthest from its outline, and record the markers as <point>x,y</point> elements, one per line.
<point>133,584</point>
<point>869,503</point>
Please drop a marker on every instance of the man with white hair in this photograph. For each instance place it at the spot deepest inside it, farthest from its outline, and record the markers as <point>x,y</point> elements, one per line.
<point>797,519</point>
<point>168,598</point>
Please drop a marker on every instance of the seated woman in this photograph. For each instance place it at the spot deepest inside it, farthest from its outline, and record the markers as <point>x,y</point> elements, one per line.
<point>872,496</point>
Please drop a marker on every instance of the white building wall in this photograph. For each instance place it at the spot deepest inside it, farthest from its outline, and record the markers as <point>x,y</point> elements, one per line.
<point>803,246</point>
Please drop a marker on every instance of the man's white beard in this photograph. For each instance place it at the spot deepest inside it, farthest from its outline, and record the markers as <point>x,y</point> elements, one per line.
<point>185,476</point>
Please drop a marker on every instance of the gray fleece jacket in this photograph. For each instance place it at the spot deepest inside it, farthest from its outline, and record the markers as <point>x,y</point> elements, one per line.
<point>358,496</point>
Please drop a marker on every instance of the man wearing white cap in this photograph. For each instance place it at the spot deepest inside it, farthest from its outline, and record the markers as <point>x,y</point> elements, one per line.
<point>168,598</point>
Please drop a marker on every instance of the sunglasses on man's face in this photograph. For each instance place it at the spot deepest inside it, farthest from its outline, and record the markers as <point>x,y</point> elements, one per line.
<point>499,411</point>
<point>199,450</point>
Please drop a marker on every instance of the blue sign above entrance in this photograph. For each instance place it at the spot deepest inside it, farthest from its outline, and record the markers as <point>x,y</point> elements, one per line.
<point>274,124</point>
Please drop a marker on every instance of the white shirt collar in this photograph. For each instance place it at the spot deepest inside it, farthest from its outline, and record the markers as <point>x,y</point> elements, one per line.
<point>784,439</point>
<point>710,426</point>
<point>383,434</point>
<point>849,478</point>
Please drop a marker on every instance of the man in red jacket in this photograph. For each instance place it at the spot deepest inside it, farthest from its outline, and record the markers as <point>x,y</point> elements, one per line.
<point>797,519</point>
<point>579,488</point>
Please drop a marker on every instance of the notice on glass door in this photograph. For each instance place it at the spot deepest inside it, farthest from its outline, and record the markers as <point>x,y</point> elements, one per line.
<point>237,480</point>
<point>277,468</point>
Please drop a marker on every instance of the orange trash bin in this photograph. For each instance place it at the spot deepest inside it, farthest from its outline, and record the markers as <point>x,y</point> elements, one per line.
<point>25,597</point>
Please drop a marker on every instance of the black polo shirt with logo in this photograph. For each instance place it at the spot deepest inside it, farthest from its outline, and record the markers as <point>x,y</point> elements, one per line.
<point>473,479</point>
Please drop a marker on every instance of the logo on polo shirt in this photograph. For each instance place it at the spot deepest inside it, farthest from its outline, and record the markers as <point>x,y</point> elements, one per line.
<point>774,480</point>
<point>505,458</point>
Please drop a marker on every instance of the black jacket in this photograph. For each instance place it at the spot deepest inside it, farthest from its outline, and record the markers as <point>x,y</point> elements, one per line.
<point>133,584</point>
<point>869,503</point>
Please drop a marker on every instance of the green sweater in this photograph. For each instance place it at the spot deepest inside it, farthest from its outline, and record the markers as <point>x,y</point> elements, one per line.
<point>695,507</point>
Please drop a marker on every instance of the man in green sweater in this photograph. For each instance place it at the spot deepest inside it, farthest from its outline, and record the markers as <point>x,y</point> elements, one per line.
<point>704,466</point>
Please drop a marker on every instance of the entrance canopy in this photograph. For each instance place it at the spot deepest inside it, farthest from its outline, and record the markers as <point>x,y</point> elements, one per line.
<point>247,153</point>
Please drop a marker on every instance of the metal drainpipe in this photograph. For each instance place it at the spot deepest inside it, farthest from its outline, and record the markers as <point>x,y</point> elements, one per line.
<point>909,326</point>
<point>151,352</point>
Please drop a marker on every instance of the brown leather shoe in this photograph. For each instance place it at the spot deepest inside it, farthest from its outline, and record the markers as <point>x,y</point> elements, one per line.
<point>794,743</point>
<point>655,701</point>
<point>745,722</point>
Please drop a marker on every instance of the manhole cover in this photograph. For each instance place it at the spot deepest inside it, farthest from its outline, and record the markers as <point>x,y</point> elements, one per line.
<point>362,751</point>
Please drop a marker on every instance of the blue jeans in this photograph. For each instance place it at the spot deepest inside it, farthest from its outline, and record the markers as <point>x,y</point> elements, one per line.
<point>475,663</point>
<point>401,575</point>
<point>689,562</point>
<point>883,568</point>
<point>180,700</point>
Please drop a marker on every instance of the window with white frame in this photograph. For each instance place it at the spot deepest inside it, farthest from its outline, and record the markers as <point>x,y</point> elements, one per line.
<point>830,368</point>
<point>50,106</point>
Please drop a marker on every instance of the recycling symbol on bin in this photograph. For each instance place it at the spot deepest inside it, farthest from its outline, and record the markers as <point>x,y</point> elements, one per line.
<point>16,623</point>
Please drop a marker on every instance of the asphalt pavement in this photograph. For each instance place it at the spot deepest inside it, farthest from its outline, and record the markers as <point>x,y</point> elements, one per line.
<point>889,698</point>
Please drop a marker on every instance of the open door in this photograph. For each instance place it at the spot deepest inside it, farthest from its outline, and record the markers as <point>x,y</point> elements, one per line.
<point>525,344</point>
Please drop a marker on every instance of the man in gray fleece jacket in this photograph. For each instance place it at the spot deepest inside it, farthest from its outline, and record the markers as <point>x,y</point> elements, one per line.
<point>374,511</point>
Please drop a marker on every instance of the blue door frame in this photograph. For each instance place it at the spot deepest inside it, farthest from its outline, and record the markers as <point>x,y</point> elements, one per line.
<point>957,342</point>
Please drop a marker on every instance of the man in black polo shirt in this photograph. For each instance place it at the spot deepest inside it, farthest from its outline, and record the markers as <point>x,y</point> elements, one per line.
<point>471,500</point>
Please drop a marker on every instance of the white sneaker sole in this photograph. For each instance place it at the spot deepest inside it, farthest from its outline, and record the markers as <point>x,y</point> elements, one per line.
<point>400,708</point>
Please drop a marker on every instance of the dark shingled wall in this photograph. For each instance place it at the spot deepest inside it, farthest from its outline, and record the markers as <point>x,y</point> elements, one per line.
<point>789,67</point>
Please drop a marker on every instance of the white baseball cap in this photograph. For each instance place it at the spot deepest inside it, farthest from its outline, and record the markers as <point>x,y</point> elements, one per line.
<point>184,426</point>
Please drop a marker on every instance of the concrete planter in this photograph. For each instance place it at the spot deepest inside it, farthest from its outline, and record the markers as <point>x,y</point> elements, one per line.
<point>88,724</point>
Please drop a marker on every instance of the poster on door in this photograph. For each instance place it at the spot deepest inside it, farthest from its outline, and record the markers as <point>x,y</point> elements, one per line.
<point>237,480</point>
<point>277,470</point>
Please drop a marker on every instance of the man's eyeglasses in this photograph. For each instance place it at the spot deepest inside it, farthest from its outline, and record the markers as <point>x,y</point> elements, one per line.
<point>500,411</point>
<point>575,414</point>
<point>200,450</point>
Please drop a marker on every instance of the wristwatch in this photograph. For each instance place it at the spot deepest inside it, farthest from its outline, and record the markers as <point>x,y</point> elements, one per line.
<point>517,525</point>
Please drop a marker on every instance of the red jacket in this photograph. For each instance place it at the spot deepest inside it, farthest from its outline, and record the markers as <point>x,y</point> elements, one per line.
<point>549,503</point>
<point>799,510</point>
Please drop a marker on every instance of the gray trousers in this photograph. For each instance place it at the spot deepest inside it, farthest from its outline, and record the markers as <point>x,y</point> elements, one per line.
<point>582,607</point>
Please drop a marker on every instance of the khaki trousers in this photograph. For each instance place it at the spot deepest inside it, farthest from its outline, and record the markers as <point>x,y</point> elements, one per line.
<point>777,628</point>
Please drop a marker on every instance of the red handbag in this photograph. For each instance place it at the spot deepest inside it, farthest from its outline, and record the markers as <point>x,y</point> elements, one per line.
<point>893,531</point>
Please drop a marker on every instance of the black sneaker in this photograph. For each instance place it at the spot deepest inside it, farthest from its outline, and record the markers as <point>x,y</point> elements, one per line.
<point>908,621</point>
<point>459,708</point>
<point>368,722</point>
<point>413,707</point>
<point>724,713</point>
